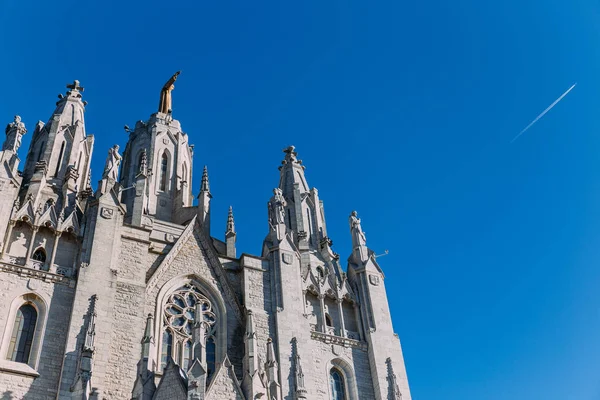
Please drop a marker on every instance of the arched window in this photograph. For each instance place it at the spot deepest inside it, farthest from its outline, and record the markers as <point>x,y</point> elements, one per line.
<point>328,320</point>
<point>167,347</point>
<point>39,255</point>
<point>163,171</point>
<point>21,339</point>
<point>336,382</point>
<point>179,316</point>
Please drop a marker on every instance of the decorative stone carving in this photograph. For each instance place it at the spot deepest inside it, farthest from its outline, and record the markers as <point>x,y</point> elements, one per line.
<point>374,279</point>
<point>107,213</point>
<point>111,168</point>
<point>277,207</point>
<point>394,390</point>
<point>358,236</point>
<point>287,258</point>
<point>14,132</point>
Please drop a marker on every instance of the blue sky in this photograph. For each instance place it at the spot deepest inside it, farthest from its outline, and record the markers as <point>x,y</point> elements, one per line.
<point>401,110</point>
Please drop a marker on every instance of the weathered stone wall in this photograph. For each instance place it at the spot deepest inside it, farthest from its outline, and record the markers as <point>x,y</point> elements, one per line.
<point>58,299</point>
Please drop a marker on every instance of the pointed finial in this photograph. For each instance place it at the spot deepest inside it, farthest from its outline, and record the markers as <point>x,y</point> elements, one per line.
<point>148,331</point>
<point>205,186</point>
<point>230,222</point>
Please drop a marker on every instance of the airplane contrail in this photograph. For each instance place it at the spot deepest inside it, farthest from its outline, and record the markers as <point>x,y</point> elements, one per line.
<point>544,112</point>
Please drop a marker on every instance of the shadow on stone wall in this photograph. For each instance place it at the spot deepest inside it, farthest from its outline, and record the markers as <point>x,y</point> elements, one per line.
<point>8,395</point>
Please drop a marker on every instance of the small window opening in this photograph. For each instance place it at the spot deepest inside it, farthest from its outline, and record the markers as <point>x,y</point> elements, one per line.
<point>39,255</point>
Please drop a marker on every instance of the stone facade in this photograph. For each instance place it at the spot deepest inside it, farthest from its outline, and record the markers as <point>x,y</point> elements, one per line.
<point>121,293</point>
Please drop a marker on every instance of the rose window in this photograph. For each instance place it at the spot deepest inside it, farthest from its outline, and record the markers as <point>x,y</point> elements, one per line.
<point>179,316</point>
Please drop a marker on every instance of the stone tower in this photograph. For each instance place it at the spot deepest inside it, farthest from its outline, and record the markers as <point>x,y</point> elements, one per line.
<point>122,292</point>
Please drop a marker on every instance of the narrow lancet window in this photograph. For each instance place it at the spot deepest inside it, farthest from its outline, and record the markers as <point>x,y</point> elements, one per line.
<point>60,158</point>
<point>336,382</point>
<point>163,172</point>
<point>21,340</point>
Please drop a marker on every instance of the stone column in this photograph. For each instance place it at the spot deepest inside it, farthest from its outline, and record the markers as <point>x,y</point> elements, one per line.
<point>11,225</point>
<point>53,255</point>
<point>323,320</point>
<point>342,324</point>
<point>30,249</point>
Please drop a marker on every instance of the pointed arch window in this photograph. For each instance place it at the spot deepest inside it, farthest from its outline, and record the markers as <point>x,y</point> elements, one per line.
<point>39,255</point>
<point>164,163</point>
<point>22,335</point>
<point>179,316</point>
<point>337,385</point>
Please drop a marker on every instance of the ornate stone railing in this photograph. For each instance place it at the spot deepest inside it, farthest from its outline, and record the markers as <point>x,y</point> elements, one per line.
<point>341,341</point>
<point>29,272</point>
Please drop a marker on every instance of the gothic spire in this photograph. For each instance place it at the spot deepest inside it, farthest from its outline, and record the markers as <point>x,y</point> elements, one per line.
<point>301,392</point>
<point>230,223</point>
<point>292,173</point>
<point>148,338</point>
<point>272,372</point>
<point>204,203</point>
<point>205,187</point>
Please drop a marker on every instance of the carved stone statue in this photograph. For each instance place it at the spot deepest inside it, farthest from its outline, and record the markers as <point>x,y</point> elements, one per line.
<point>111,168</point>
<point>358,236</point>
<point>165,94</point>
<point>277,208</point>
<point>14,132</point>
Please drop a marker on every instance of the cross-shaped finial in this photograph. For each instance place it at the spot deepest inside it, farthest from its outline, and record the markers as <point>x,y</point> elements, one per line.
<point>75,86</point>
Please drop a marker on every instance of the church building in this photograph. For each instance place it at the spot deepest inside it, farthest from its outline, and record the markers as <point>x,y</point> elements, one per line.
<point>122,293</point>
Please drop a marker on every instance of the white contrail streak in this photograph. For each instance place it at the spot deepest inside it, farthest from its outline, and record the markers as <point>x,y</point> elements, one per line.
<point>544,112</point>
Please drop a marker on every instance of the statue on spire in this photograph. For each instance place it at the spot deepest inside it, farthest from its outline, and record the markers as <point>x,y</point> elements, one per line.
<point>165,94</point>
<point>111,168</point>
<point>358,236</point>
<point>277,207</point>
<point>14,132</point>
